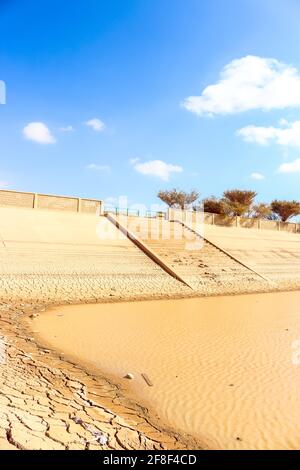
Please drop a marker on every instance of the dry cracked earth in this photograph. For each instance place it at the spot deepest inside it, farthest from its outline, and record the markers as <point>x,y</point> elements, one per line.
<point>47,402</point>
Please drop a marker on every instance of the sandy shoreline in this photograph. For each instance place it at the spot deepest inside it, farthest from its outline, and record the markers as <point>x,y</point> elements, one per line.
<point>250,336</point>
<point>21,375</point>
<point>49,403</point>
<point>36,401</point>
<point>44,399</point>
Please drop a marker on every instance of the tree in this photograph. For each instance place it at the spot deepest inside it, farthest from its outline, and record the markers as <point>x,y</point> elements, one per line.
<point>178,199</point>
<point>285,209</point>
<point>238,202</point>
<point>214,205</point>
<point>262,211</point>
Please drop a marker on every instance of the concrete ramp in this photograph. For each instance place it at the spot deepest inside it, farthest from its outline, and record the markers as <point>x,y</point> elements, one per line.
<point>198,263</point>
<point>78,256</point>
<point>274,254</point>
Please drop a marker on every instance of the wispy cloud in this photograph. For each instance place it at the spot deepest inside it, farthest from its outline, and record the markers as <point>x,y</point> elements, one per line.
<point>156,168</point>
<point>132,161</point>
<point>2,92</point>
<point>257,176</point>
<point>38,132</point>
<point>96,167</point>
<point>287,135</point>
<point>292,167</point>
<point>3,184</point>
<point>67,129</point>
<point>249,83</point>
<point>96,124</point>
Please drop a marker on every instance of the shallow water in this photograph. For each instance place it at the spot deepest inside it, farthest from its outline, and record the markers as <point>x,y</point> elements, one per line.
<point>223,369</point>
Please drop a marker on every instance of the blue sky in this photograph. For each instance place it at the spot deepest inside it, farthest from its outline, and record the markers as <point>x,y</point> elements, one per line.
<point>97,97</point>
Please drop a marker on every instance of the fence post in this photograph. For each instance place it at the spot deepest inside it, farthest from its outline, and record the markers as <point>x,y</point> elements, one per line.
<point>213,219</point>
<point>35,200</point>
<point>236,220</point>
<point>79,205</point>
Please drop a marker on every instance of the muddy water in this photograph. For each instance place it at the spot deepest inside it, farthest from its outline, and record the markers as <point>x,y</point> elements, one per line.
<point>223,369</point>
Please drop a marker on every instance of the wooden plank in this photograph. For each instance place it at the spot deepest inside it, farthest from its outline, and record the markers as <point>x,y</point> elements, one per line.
<point>147,380</point>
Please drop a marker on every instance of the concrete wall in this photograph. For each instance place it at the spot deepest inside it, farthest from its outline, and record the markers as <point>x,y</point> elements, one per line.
<point>14,198</point>
<point>228,221</point>
<point>47,201</point>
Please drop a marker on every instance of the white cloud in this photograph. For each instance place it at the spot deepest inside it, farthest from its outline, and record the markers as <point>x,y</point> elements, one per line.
<point>287,135</point>
<point>157,168</point>
<point>249,83</point>
<point>259,135</point>
<point>257,176</point>
<point>96,124</point>
<point>283,122</point>
<point>3,184</point>
<point>292,167</point>
<point>38,132</point>
<point>67,129</point>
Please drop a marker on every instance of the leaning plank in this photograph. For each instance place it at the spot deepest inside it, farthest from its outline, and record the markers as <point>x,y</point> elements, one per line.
<point>147,380</point>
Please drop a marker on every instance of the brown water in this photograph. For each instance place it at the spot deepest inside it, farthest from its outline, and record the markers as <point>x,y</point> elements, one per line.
<point>222,368</point>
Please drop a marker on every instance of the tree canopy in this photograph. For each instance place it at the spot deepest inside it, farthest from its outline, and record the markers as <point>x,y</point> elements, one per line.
<point>234,202</point>
<point>238,202</point>
<point>285,209</point>
<point>214,205</point>
<point>262,211</point>
<point>178,198</point>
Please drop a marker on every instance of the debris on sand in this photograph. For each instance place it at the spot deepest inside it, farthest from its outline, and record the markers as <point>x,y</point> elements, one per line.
<point>147,380</point>
<point>129,376</point>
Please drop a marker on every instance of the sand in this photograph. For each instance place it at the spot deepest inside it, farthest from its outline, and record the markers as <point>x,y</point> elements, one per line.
<point>47,401</point>
<point>222,368</point>
<point>51,258</point>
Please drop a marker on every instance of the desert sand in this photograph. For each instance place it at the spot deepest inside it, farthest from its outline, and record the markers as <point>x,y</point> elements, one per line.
<point>49,401</point>
<point>222,368</point>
